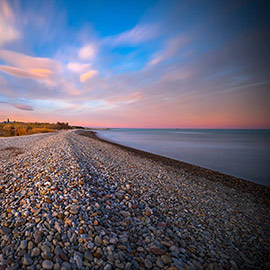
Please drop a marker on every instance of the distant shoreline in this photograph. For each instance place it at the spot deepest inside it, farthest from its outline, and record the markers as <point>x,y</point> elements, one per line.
<point>240,153</point>
<point>262,191</point>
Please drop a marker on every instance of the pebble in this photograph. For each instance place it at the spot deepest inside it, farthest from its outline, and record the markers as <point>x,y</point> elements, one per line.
<point>74,209</point>
<point>160,263</point>
<point>88,256</point>
<point>125,213</point>
<point>148,264</point>
<point>98,241</point>
<point>166,259</point>
<point>78,261</point>
<point>27,260</point>
<point>108,267</point>
<point>157,251</point>
<point>38,239</point>
<point>47,264</point>
<point>30,245</point>
<point>35,252</point>
<point>57,250</point>
<point>23,244</point>
<point>58,227</point>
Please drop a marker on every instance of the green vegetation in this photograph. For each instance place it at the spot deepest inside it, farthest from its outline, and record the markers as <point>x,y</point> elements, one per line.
<point>20,128</point>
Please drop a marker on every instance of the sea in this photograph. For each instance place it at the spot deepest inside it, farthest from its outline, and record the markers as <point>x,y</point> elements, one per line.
<point>241,153</point>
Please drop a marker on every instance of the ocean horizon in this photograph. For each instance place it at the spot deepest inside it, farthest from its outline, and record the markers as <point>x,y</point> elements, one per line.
<point>242,153</point>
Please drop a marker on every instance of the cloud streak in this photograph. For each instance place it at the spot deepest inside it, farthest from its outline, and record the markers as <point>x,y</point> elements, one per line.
<point>34,74</point>
<point>8,30</point>
<point>88,75</point>
<point>77,67</point>
<point>18,105</point>
<point>23,107</point>
<point>27,62</point>
<point>139,34</point>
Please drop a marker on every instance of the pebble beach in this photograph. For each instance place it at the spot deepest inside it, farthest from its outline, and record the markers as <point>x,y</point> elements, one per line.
<point>70,200</point>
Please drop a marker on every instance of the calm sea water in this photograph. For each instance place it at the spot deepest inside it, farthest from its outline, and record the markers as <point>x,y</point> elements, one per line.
<point>241,153</point>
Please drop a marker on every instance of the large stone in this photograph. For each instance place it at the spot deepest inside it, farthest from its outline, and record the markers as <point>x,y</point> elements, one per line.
<point>78,261</point>
<point>64,257</point>
<point>157,251</point>
<point>148,264</point>
<point>45,248</point>
<point>37,239</point>
<point>23,244</point>
<point>57,250</point>
<point>74,209</point>
<point>47,264</point>
<point>88,256</point>
<point>125,213</point>
<point>166,259</point>
<point>98,241</point>
<point>58,227</point>
<point>27,260</point>
<point>35,252</point>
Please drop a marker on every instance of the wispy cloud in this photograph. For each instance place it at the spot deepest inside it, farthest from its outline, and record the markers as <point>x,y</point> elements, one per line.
<point>137,35</point>
<point>88,52</point>
<point>8,29</point>
<point>173,47</point>
<point>77,67</point>
<point>125,99</point>
<point>27,62</point>
<point>18,105</point>
<point>34,74</point>
<point>86,76</point>
<point>23,107</point>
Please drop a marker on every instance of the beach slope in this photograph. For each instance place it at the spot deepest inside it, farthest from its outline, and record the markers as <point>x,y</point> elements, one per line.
<point>70,200</point>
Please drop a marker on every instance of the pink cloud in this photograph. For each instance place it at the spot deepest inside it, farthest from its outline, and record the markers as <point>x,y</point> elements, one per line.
<point>87,52</point>
<point>24,107</point>
<point>155,60</point>
<point>69,88</point>
<point>77,67</point>
<point>29,62</point>
<point>8,30</point>
<point>86,76</point>
<point>45,69</point>
<point>24,74</point>
<point>124,99</point>
<point>18,105</point>
<point>172,47</point>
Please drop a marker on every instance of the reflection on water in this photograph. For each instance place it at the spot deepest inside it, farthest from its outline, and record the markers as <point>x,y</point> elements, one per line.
<point>242,153</point>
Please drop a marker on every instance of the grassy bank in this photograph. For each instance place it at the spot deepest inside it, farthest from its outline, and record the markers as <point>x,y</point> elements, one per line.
<point>21,128</point>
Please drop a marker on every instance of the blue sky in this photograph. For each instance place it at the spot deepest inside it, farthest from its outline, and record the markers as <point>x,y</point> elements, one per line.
<point>136,63</point>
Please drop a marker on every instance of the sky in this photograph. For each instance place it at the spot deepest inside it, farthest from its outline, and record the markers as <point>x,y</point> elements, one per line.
<point>141,64</point>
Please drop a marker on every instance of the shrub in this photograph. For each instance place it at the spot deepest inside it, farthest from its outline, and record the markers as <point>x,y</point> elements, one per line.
<point>20,128</point>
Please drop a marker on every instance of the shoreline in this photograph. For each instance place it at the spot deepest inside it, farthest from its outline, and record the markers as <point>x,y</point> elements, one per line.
<point>242,154</point>
<point>197,171</point>
<point>72,201</point>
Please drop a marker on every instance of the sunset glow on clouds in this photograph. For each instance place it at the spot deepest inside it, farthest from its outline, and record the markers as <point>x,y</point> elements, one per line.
<point>144,64</point>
